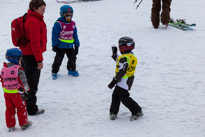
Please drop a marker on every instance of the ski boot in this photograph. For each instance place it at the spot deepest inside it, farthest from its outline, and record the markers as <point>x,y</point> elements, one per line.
<point>136,116</point>
<point>113,116</point>
<point>11,129</point>
<point>54,76</point>
<point>181,21</point>
<point>24,127</point>
<point>73,73</point>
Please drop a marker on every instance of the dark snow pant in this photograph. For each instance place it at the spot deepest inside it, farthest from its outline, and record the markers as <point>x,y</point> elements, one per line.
<point>33,75</point>
<point>122,95</point>
<point>165,15</point>
<point>71,64</point>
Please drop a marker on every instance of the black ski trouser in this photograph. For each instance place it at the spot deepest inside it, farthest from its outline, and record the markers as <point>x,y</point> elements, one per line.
<point>33,75</point>
<point>122,95</point>
<point>71,64</point>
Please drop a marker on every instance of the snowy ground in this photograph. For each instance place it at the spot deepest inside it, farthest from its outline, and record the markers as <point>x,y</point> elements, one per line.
<point>169,83</point>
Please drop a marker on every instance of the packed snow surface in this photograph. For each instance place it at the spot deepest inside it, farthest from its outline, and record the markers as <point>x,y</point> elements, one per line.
<point>169,79</point>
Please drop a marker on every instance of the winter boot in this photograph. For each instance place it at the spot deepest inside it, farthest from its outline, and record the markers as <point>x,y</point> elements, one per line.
<point>54,76</point>
<point>136,116</point>
<point>113,116</point>
<point>40,111</point>
<point>155,12</point>
<point>155,19</point>
<point>73,73</point>
<point>165,17</point>
<point>11,129</point>
<point>24,127</point>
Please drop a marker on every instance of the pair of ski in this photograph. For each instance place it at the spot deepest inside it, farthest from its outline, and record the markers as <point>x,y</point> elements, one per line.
<point>181,24</point>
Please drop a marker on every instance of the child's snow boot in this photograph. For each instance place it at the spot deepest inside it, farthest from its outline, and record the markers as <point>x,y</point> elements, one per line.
<point>73,73</point>
<point>54,76</point>
<point>24,127</point>
<point>136,116</point>
<point>113,116</point>
<point>11,129</point>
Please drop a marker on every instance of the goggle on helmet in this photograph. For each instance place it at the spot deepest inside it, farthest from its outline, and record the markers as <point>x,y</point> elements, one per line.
<point>66,11</point>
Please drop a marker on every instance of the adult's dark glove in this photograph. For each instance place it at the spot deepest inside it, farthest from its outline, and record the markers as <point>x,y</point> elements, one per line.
<point>27,95</point>
<point>20,89</point>
<point>76,50</point>
<point>114,50</point>
<point>112,83</point>
<point>55,48</point>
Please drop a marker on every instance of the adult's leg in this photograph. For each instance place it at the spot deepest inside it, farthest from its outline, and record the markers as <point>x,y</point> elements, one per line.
<point>33,76</point>
<point>156,7</point>
<point>165,15</point>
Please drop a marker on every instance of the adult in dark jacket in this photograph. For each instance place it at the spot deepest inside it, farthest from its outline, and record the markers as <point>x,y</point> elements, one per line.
<point>36,33</point>
<point>165,14</point>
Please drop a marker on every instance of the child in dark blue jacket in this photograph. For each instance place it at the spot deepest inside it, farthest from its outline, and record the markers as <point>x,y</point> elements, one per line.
<point>65,41</point>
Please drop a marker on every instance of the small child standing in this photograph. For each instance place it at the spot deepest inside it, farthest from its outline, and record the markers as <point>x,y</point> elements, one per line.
<point>124,77</point>
<point>14,84</point>
<point>65,41</point>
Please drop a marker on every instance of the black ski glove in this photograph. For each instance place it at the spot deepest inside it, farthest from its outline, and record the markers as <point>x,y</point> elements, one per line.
<point>76,50</point>
<point>114,50</point>
<point>55,49</point>
<point>27,95</point>
<point>20,89</point>
<point>112,83</point>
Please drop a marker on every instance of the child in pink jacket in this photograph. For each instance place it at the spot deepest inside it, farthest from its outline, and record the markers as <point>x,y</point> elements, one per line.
<point>14,84</point>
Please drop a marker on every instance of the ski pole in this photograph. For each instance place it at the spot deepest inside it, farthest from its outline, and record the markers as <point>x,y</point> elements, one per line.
<point>135,1</point>
<point>139,4</point>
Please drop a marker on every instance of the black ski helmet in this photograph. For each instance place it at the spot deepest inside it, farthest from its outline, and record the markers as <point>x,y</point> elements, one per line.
<point>126,43</point>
